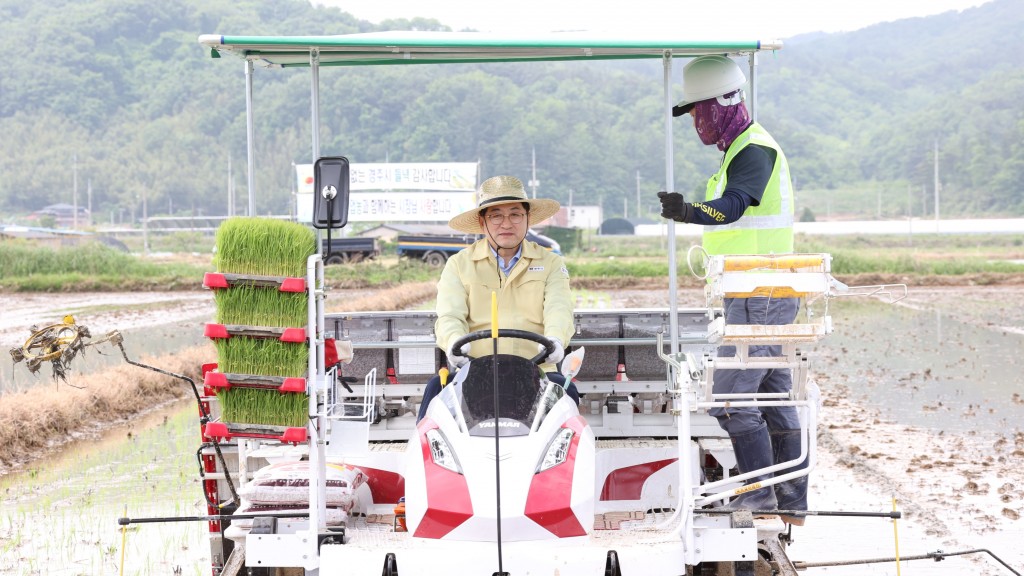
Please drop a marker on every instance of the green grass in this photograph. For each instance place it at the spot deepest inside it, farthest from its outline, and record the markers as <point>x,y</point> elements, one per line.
<point>30,267</point>
<point>384,272</point>
<point>618,268</point>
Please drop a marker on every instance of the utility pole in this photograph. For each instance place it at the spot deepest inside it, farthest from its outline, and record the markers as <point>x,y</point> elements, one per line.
<point>295,193</point>
<point>74,193</point>
<point>936,180</point>
<point>638,215</point>
<point>88,191</point>
<point>533,184</point>
<point>231,189</point>
<point>910,217</point>
<point>145,223</point>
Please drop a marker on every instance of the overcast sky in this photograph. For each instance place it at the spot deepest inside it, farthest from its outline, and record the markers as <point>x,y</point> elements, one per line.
<point>735,19</point>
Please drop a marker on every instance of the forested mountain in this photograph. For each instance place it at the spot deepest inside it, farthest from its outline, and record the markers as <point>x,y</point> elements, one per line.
<point>120,94</point>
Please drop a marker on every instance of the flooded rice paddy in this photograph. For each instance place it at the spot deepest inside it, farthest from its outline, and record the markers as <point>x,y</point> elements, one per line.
<point>154,323</point>
<point>59,515</point>
<point>922,403</point>
<point>927,368</point>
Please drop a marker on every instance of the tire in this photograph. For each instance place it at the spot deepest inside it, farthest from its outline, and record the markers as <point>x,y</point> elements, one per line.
<point>335,259</point>
<point>435,259</point>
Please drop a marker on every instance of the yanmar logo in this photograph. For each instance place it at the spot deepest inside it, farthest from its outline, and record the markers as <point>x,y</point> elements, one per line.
<point>501,424</point>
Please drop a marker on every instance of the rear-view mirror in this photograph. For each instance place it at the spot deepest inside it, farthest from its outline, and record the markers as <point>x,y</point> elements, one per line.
<point>330,192</point>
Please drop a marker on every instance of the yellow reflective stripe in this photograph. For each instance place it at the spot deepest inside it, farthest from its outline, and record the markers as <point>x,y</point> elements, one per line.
<point>780,262</point>
<point>775,292</point>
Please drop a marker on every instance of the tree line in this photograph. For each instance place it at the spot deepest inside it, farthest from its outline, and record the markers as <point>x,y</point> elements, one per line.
<point>118,97</point>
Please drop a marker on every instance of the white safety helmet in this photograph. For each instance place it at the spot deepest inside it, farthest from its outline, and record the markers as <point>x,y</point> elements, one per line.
<point>710,77</point>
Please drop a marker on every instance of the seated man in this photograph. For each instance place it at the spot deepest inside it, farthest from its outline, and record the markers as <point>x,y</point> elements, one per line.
<point>532,282</point>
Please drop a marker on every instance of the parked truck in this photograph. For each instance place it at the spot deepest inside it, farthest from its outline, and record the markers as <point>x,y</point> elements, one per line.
<point>351,249</point>
<point>435,249</point>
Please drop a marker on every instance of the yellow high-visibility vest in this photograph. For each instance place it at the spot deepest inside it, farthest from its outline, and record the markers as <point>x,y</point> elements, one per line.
<point>763,229</point>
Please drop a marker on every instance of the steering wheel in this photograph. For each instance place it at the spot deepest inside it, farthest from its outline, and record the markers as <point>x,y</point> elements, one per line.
<point>549,346</point>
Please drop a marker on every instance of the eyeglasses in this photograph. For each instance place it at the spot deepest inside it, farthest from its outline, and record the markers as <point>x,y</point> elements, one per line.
<point>496,218</point>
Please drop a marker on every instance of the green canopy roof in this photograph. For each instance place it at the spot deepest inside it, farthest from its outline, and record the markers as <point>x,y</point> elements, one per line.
<point>389,48</point>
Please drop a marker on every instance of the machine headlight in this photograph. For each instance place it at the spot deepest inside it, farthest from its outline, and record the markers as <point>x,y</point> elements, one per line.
<point>441,451</point>
<point>558,450</point>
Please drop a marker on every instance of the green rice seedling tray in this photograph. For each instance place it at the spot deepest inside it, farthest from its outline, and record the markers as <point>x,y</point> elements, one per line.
<point>263,356</point>
<point>262,407</point>
<point>226,381</point>
<point>225,431</point>
<point>219,280</point>
<point>295,335</point>
<point>263,246</point>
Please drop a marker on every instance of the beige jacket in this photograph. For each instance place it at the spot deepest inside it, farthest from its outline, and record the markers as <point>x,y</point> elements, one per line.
<point>534,297</point>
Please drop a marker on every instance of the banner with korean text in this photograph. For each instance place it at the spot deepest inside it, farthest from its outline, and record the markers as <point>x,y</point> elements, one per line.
<point>398,192</point>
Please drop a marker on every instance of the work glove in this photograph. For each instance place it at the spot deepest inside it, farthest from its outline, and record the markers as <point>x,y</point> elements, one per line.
<point>457,361</point>
<point>674,207</point>
<point>556,356</point>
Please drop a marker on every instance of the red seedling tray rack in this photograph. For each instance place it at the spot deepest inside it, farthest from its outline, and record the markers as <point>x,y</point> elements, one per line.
<point>219,280</point>
<point>295,335</point>
<point>226,381</point>
<point>226,431</point>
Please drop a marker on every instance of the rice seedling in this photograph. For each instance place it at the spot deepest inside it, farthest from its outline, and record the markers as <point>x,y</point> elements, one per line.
<point>55,527</point>
<point>260,306</point>
<point>262,356</point>
<point>263,246</point>
<point>269,407</point>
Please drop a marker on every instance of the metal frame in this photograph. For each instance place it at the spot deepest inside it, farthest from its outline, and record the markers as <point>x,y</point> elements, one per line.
<point>393,48</point>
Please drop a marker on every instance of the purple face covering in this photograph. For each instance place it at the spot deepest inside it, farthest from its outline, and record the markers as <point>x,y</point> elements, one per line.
<point>717,124</point>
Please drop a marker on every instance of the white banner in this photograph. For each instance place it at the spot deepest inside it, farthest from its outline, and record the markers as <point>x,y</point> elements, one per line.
<point>445,189</point>
<point>453,176</point>
<point>396,206</point>
<point>408,206</point>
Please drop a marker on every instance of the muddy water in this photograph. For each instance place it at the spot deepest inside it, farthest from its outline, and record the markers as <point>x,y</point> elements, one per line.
<point>179,324</point>
<point>925,368</point>
<point>954,377</point>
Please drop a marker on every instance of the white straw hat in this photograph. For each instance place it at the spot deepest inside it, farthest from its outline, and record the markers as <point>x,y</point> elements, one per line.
<point>503,190</point>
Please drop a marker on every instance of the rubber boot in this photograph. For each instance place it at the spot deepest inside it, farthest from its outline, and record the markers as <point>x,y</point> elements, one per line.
<point>791,494</point>
<point>753,451</point>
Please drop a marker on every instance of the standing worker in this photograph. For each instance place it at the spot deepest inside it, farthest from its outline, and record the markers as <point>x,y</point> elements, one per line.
<point>532,283</point>
<point>747,209</point>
